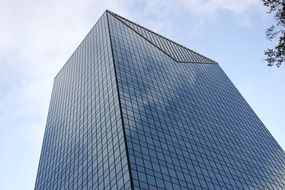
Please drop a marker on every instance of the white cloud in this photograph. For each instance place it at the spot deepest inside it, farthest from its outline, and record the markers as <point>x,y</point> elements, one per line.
<point>163,16</point>
<point>213,6</point>
<point>205,10</point>
<point>36,39</point>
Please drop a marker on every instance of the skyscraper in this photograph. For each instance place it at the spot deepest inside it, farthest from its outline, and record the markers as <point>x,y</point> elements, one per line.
<point>134,110</point>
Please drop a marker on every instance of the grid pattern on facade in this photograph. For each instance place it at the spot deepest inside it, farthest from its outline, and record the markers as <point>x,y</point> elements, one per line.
<point>84,146</point>
<point>172,49</point>
<point>187,126</point>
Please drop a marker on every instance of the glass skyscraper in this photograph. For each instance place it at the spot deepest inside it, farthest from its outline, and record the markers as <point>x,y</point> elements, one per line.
<point>132,109</point>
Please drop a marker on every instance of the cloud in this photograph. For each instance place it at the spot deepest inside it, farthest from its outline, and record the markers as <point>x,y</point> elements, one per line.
<point>36,39</point>
<point>213,6</point>
<point>163,16</point>
<point>209,9</point>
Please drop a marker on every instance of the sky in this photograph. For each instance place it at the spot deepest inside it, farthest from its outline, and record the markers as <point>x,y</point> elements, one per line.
<point>37,37</point>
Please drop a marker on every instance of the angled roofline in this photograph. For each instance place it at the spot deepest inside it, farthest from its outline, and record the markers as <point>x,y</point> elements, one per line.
<point>116,15</point>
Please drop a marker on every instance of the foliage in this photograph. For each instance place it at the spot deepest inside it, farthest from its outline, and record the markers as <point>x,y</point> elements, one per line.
<point>276,55</point>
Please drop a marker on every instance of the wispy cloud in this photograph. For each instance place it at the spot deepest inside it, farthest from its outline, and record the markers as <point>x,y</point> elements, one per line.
<point>162,15</point>
<point>36,39</point>
<point>213,6</point>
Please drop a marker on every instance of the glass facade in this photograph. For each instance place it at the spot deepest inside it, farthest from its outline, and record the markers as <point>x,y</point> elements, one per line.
<point>83,145</point>
<point>134,110</point>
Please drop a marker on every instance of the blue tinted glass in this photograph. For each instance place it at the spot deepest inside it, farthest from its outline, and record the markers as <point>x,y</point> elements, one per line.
<point>83,146</point>
<point>187,126</point>
<point>133,110</point>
